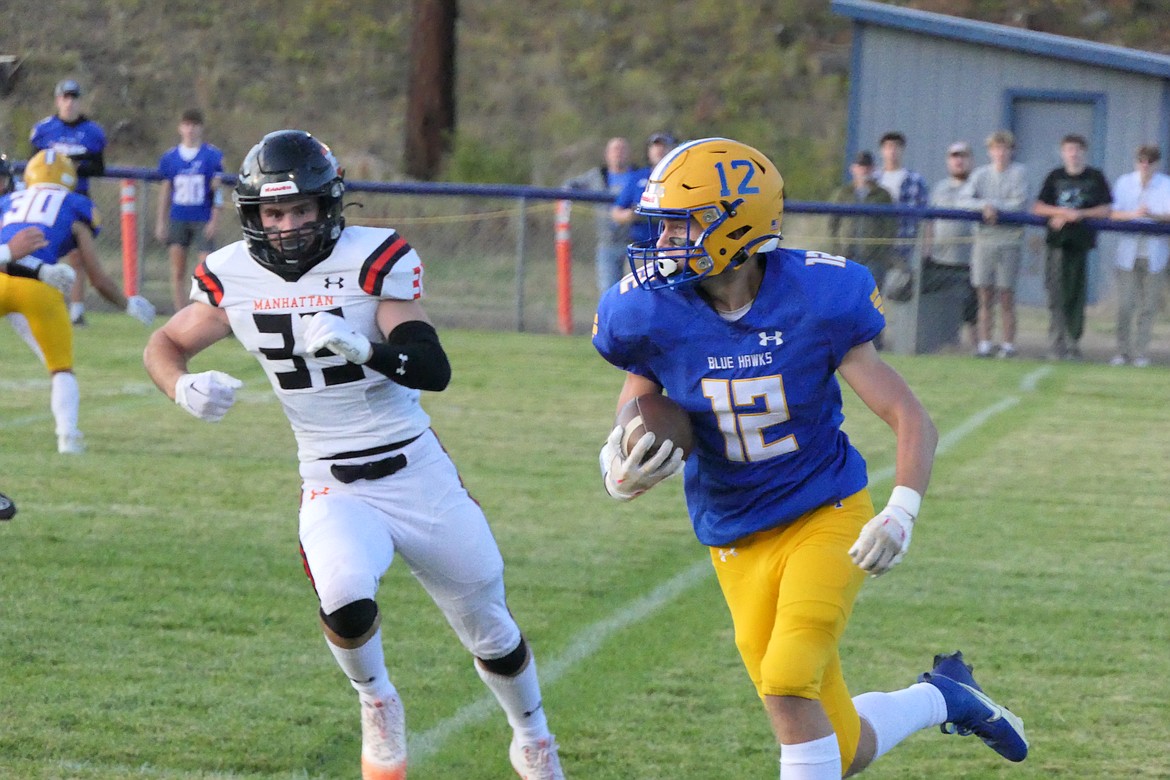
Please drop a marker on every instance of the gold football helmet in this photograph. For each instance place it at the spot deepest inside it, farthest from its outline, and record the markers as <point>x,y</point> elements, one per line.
<point>50,167</point>
<point>732,196</point>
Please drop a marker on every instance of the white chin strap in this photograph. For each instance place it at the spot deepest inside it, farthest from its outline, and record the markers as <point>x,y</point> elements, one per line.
<point>769,245</point>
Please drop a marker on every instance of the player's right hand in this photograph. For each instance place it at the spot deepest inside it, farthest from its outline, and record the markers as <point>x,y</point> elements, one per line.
<point>627,478</point>
<point>140,309</point>
<point>57,275</point>
<point>208,395</point>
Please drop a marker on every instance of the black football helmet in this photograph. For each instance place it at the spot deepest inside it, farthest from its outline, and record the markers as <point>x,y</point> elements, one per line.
<point>7,183</point>
<point>290,165</point>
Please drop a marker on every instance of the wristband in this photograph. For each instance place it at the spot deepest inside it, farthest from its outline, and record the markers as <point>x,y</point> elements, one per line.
<point>907,499</point>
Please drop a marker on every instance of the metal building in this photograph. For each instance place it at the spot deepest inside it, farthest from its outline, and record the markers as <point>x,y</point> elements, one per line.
<point>940,79</point>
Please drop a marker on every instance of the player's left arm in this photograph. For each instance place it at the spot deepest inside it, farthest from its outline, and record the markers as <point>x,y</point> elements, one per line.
<point>884,539</point>
<point>410,352</point>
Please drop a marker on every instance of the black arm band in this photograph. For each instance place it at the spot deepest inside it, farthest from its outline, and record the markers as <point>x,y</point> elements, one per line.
<point>17,268</point>
<point>413,357</point>
<point>89,164</point>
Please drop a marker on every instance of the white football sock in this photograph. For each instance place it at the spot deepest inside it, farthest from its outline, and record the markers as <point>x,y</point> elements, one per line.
<point>898,714</point>
<point>64,400</point>
<point>76,310</point>
<point>365,667</point>
<point>819,759</point>
<point>519,697</point>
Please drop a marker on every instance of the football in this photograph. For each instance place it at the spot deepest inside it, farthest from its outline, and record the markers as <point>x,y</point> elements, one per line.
<point>659,415</point>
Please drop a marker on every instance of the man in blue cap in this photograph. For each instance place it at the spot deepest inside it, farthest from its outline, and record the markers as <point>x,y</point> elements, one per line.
<point>75,135</point>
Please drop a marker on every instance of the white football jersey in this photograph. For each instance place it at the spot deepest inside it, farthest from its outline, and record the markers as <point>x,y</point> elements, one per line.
<point>334,406</point>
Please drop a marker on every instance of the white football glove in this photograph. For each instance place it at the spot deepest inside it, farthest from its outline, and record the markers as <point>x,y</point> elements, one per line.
<point>626,478</point>
<point>208,395</point>
<point>884,539</point>
<point>58,275</point>
<point>328,331</point>
<point>140,309</point>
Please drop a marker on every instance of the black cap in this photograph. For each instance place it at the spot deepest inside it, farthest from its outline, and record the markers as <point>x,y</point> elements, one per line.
<point>67,87</point>
<point>662,138</point>
<point>863,158</point>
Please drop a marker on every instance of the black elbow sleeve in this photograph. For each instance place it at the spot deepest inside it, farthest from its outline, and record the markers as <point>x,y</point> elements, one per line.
<point>413,357</point>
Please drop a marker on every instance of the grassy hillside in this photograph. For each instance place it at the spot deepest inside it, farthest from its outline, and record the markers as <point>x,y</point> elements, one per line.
<point>541,84</point>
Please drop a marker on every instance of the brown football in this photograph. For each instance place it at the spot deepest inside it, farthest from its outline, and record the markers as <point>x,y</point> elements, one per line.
<point>659,415</point>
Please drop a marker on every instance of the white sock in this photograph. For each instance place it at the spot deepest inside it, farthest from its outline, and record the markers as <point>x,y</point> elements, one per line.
<point>365,667</point>
<point>984,346</point>
<point>64,400</point>
<point>76,310</point>
<point>819,759</point>
<point>519,697</point>
<point>19,324</point>
<point>896,715</point>
<point>1008,346</point>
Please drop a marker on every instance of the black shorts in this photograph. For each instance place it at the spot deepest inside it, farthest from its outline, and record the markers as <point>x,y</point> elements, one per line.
<point>187,234</point>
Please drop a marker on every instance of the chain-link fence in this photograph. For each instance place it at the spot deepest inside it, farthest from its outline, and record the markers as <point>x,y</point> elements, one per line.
<point>491,261</point>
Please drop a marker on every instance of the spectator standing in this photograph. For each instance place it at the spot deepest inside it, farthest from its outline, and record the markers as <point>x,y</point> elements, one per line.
<point>189,201</point>
<point>864,238</point>
<point>947,263</point>
<point>82,140</point>
<point>1001,185</point>
<point>906,187</point>
<point>1069,195</point>
<point>622,212</point>
<point>1142,194</point>
<point>612,237</point>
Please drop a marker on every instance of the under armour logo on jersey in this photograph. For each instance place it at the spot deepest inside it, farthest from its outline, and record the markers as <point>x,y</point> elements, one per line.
<point>401,370</point>
<point>329,282</point>
<point>313,492</point>
<point>775,337</point>
<point>724,554</point>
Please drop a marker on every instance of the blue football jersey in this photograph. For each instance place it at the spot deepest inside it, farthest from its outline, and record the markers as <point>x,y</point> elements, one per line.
<point>191,192</point>
<point>53,210</point>
<point>72,139</point>
<point>762,392</point>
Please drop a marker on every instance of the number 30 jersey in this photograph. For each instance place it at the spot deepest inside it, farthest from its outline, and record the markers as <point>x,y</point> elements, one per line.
<point>761,392</point>
<point>334,406</point>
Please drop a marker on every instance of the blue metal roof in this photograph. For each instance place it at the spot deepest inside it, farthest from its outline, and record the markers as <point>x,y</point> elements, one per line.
<point>1013,38</point>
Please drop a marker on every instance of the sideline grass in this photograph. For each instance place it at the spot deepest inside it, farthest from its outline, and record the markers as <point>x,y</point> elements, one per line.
<point>156,623</point>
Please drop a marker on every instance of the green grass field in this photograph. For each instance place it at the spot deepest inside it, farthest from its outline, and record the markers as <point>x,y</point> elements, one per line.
<point>156,622</point>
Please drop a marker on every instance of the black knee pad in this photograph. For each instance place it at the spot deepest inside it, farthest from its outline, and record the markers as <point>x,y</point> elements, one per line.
<point>352,620</point>
<point>510,664</point>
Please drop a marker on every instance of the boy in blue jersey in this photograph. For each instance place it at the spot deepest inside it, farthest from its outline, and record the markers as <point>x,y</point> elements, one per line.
<point>82,140</point>
<point>748,338</point>
<point>190,200</point>
<point>33,285</point>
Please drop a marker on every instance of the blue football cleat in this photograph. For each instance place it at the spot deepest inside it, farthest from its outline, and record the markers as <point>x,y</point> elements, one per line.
<point>970,711</point>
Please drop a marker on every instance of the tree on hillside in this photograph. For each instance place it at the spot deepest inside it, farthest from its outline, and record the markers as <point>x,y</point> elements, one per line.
<point>430,105</point>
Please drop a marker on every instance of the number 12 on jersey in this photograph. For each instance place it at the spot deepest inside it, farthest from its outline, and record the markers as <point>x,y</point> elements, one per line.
<point>745,433</point>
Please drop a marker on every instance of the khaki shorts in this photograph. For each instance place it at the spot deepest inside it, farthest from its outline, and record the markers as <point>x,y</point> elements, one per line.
<point>995,264</point>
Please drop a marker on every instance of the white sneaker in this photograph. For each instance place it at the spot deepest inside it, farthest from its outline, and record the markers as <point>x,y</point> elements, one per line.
<point>536,760</point>
<point>1141,362</point>
<point>383,740</point>
<point>1118,360</point>
<point>71,443</point>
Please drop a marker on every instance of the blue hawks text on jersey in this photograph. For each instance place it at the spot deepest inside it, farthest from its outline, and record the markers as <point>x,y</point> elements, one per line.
<point>762,391</point>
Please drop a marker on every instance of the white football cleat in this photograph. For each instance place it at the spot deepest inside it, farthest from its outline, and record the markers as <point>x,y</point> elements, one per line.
<point>383,740</point>
<point>71,443</point>
<point>536,760</point>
